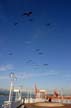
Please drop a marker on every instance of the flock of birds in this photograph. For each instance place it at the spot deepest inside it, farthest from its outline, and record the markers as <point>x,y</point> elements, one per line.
<point>28,61</point>
<point>39,53</point>
<point>29,14</point>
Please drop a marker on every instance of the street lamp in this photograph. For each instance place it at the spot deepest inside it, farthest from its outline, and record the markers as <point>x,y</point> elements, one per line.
<point>13,77</point>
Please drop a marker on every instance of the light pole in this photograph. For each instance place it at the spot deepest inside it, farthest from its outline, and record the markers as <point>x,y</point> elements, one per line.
<point>12,76</point>
<point>62,94</point>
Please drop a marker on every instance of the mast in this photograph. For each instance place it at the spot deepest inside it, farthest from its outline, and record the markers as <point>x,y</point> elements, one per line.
<point>12,76</point>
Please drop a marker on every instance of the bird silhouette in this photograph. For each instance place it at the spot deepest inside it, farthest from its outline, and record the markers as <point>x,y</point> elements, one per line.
<point>27,13</point>
<point>30,20</point>
<point>37,50</point>
<point>15,23</point>
<point>40,53</point>
<point>28,61</point>
<point>45,64</point>
<point>48,24</point>
<point>10,53</point>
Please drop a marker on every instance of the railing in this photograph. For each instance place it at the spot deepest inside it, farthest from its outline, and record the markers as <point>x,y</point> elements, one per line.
<point>67,101</point>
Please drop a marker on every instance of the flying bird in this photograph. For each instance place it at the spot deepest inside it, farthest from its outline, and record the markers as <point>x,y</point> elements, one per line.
<point>30,20</point>
<point>45,64</point>
<point>27,13</point>
<point>15,23</point>
<point>48,24</point>
<point>10,53</point>
<point>37,50</point>
<point>29,61</point>
<point>40,53</point>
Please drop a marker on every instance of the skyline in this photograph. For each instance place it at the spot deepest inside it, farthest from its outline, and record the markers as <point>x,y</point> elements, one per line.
<point>37,48</point>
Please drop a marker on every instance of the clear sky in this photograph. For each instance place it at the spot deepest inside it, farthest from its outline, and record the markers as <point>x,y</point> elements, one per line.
<point>29,43</point>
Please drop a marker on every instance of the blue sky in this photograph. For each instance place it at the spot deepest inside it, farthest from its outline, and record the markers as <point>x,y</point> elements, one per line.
<point>18,43</point>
